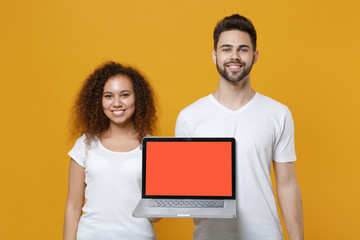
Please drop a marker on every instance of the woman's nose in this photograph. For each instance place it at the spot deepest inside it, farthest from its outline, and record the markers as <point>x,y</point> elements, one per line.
<point>118,102</point>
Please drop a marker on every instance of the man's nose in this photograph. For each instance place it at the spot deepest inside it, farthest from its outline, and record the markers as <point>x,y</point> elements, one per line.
<point>235,55</point>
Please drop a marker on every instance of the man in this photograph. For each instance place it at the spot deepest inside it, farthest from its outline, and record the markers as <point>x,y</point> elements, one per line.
<point>264,132</point>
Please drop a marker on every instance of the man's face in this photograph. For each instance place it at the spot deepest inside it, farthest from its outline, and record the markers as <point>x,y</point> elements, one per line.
<point>234,55</point>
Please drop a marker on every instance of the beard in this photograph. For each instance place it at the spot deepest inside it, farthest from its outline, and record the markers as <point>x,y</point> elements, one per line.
<point>233,77</point>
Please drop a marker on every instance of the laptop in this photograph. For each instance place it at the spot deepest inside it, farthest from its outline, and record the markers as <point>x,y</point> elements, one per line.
<point>187,177</point>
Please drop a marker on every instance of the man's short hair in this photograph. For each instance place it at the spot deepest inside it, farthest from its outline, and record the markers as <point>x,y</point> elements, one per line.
<point>235,22</point>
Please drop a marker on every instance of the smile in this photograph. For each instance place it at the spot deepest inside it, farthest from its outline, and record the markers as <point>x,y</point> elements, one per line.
<point>234,66</point>
<point>118,112</point>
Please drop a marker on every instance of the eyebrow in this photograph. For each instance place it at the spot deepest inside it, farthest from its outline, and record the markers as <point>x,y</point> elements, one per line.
<point>229,45</point>
<point>125,90</point>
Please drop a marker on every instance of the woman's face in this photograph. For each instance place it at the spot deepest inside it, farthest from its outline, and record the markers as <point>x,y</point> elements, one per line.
<point>118,100</point>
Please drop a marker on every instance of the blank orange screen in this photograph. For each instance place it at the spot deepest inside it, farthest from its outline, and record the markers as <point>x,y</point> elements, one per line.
<point>188,169</point>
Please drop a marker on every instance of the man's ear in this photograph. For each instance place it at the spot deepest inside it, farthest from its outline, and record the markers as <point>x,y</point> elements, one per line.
<point>214,56</point>
<point>256,56</point>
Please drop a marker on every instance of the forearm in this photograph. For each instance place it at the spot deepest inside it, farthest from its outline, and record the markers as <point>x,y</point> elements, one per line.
<point>289,198</point>
<point>71,222</point>
<point>75,200</point>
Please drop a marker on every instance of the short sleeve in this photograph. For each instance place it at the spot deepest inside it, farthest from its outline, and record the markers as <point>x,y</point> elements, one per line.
<point>284,150</point>
<point>78,152</point>
<point>181,130</point>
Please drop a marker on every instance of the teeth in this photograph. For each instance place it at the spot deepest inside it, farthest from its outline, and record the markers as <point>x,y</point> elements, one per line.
<point>118,113</point>
<point>233,67</point>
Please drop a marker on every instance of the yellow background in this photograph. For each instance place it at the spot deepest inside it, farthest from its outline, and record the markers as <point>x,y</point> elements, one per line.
<point>309,53</point>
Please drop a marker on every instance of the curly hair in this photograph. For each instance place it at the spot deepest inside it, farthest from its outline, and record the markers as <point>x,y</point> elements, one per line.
<point>88,116</point>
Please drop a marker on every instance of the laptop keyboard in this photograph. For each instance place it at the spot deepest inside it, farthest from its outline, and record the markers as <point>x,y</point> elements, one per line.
<point>160,203</point>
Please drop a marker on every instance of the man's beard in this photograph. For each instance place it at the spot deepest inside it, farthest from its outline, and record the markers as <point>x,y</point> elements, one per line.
<point>225,74</point>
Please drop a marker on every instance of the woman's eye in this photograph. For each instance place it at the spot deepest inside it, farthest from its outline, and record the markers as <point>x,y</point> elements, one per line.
<point>125,94</point>
<point>107,96</point>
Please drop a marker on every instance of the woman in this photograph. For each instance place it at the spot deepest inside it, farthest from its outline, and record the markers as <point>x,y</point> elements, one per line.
<point>113,111</point>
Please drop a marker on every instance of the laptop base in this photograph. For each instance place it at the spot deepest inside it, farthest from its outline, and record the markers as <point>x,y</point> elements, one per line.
<point>142,210</point>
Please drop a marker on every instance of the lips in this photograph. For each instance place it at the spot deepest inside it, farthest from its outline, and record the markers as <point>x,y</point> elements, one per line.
<point>234,66</point>
<point>118,112</point>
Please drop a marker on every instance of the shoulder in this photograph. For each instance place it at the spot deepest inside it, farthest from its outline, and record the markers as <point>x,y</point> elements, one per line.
<point>271,106</point>
<point>80,141</point>
<point>197,106</point>
<point>79,151</point>
<point>82,144</point>
<point>269,102</point>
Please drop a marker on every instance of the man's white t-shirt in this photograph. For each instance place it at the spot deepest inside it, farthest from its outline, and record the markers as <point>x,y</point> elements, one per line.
<point>113,189</point>
<point>264,131</point>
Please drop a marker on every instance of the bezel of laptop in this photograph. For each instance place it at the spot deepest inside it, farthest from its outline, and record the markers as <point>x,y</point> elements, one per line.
<point>188,139</point>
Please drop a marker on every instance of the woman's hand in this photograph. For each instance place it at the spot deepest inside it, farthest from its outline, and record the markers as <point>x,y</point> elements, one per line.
<point>154,220</point>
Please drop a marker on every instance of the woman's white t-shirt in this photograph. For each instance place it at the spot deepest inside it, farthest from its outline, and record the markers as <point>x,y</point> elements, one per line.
<point>113,189</point>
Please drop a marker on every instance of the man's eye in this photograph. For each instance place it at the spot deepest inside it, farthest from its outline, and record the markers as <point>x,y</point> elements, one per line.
<point>226,49</point>
<point>244,50</point>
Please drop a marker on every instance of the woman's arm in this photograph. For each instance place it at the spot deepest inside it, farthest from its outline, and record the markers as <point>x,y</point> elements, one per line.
<point>75,200</point>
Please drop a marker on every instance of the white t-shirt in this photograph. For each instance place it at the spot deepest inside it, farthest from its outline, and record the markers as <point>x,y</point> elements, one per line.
<point>264,131</point>
<point>113,188</point>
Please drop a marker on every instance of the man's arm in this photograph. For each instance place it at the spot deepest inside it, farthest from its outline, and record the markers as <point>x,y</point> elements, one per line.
<point>289,198</point>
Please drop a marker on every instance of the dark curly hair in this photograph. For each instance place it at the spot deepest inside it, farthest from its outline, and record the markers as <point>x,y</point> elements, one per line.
<point>235,22</point>
<point>88,116</point>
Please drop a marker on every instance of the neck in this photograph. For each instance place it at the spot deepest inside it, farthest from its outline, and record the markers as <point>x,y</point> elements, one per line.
<point>234,95</point>
<point>116,130</point>
<point>120,138</point>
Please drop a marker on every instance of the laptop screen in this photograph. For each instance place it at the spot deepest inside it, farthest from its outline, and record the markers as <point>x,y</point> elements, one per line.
<point>189,167</point>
